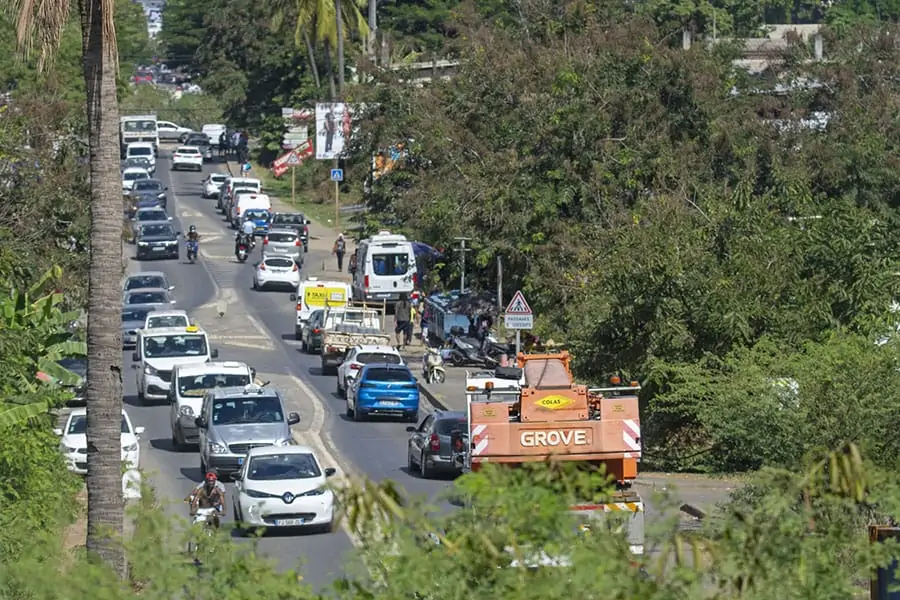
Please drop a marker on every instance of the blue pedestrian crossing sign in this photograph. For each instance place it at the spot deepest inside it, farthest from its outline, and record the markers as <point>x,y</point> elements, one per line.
<point>337,174</point>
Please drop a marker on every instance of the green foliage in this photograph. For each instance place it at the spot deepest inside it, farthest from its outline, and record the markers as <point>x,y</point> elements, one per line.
<point>190,110</point>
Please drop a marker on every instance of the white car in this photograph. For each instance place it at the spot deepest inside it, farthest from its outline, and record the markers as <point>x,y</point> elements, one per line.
<point>212,185</point>
<point>283,486</point>
<point>170,131</point>
<point>277,271</point>
<point>74,442</point>
<point>167,318</point>
<point>132,174</point>
<point>145,150</point>
<point>187,157</point>
<point>359,356</point>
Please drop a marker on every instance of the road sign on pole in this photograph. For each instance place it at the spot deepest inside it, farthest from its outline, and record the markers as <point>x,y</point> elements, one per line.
<point>337,174</point>
<point>293,160</point>
<point>518,314</point>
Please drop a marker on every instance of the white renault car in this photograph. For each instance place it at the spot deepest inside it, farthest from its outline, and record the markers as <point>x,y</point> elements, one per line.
<point>283,486</point>
<point>277,271</point>
<point>212,185</point>
<point>187,157</point>
<point>167,318</point>
<point>74,442</point>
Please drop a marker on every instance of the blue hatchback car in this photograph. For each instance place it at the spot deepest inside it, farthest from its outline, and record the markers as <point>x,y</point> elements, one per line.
<point>261,219</point>
<point>384,389</point>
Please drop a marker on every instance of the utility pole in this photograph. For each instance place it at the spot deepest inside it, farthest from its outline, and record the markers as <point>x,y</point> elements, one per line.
<point>500,284</point>
<point>462,261</point>
<point>373,30</point>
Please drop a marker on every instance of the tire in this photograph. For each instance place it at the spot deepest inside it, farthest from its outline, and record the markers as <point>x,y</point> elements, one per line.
<point>176,445</point>
<point>358,415</point>
<point>424,471</point>
<point>303,345</point>
<point>439,377</point>
<point>141,399</point>
<point>255,285</point>
<point>338,386</point>
<point>410,463</point>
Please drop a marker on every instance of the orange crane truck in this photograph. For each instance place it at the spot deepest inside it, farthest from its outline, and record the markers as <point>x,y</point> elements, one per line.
<point>536,412</point>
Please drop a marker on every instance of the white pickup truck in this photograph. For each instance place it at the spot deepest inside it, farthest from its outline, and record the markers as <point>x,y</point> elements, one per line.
<point>350,326</point>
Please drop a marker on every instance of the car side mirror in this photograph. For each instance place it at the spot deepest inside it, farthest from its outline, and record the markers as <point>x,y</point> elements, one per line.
<point>410,429</point>
<point>214,353</point>
<point>171,287</point>
<point>293,418</point>
<point>57,431</point>
<point>199,423</point>
<point>172,301</point>
<point>330,471</point>
<point>135,356</point>
<point>138,431</point>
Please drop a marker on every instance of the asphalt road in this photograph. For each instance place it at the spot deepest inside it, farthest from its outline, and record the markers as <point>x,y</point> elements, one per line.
<point>258,329</point>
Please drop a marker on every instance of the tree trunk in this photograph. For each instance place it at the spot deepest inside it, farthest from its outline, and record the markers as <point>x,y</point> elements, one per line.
<point>329,71</point>
<point>339,24</point>
<point>104,335</point>
<point>310,55</point>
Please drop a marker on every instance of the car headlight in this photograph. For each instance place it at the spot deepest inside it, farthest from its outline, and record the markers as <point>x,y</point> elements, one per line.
<point>148,370</point>
<point>186,411</point>
<point>68,449</point>
<point>143,243</point>
<point>217,448</point>
<point>130,448</point>
<point>255,494</point>
<point>161,196</point>
<point>315,492</point>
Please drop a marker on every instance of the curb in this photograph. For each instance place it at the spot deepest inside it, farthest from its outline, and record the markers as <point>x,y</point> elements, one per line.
<point>432,399</point>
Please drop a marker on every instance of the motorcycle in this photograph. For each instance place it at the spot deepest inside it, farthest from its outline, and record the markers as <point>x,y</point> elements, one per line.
<point>433,366</point>
<point>193,246</point>
<point>243,251</point>
<point>466,351</point>
<point>204,518</point>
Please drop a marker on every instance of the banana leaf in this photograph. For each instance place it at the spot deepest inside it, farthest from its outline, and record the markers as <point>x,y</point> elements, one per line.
<point>59,374</point>
<point>67,349</point>
<point>19,413</point>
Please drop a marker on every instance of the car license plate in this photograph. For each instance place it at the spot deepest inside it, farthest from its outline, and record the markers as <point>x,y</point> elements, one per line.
<point>279,270</point>
<point>391,403</point>
<point>240,461</point>
<point>289,522</point>
<point>158,248</point>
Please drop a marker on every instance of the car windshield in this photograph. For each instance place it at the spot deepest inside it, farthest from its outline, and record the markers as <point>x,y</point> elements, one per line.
<point>175,345</point>
<point>218,178</point>
<point>141,151</point>
<point>78,425</point>
<point>133,175</point>
<point>167,321</point>
<point>152,215</point>
<point>129,315</point>
<point>242,411</point>
<point>145,281</point>
<point>282,238</point>
<point>376,374</point>
<point>290,219</point>
<point>257,215</point>
<point>75,365</point>
<point>194,386</point>
<point>390,264</point>
<point>378,357</point>
<point>149,185</point>
<point>157,230</point>
<point>279,263</point>
<point>448,426</point>
<point>283,466</point>
<point>187,150</point>
<point>147,298</point>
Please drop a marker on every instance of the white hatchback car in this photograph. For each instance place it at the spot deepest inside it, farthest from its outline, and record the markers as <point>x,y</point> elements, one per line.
<point>212,185</point>
<point>167,318</point>
<point>187,157</point>
<point>74,442</point>
<point>283,486</point>
<point>277,271</point>
<point>359,356</point>
<point>132,174</point>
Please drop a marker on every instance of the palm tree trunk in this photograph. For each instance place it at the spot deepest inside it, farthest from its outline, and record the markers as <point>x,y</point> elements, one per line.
<point>310,55</point>
<point>339,22</point>
<point>104,337</point>
<point>329,71</point>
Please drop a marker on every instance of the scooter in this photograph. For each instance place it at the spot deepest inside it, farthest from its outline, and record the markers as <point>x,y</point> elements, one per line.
<point>466,351</point>
<point>243,251</point>
<point>433,366</point>
<point>204,518</point>
<point>193,246</point>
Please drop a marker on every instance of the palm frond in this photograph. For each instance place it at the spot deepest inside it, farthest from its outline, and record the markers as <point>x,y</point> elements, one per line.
<point>16,414</point>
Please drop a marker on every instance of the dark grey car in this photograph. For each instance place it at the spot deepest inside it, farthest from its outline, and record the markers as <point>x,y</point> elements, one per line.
<point>428,449</point>
<point>157,240</point>
<point>150,189</point>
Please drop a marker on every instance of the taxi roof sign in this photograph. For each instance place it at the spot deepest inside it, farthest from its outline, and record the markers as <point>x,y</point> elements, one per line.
<point>192,329</point>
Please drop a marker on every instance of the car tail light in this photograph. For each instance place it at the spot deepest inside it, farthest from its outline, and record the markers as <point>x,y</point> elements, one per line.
<point>355,366</point>
<point>295,269</point>
<point>266,241</point>
<point>366,282</point>
<point>306,230</point>
<point>262,266</point>
<point>435,442</point>
<point>297,242</point>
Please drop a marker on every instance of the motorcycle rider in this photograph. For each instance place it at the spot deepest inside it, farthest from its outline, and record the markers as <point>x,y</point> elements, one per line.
<point>245,235</point>
<point>209,494</point>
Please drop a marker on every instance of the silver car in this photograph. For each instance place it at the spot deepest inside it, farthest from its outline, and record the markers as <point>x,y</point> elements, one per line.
<point>234,420</point>
<point>154,296</point>
<point>133,318</point>
<point>283,242</point>
<point>147,279</point>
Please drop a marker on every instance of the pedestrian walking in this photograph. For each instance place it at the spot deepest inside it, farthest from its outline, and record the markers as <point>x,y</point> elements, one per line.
<point>352,265</point>
<point>403,323</point>
<point>339,248</point>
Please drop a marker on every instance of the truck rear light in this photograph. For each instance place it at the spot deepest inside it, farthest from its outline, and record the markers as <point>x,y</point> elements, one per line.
<point>366,282</point>
<point>317,331</point>
<point>435,442</point>
<point>297,242</point>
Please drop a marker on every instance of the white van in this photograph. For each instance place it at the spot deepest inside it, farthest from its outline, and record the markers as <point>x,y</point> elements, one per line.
<point>313,294</point>
<point>159,350</point>
<point>142,150</point>
<point>189,385</point>
<point>386,268</point>
<point>213,131</point>
<point>243,202</point>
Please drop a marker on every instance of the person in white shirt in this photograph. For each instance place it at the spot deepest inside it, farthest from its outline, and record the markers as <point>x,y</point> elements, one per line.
<point>245,233</point>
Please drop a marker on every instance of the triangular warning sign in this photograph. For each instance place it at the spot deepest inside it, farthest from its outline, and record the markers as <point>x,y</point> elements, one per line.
<point>518,306</point>
<point>293,160</point>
